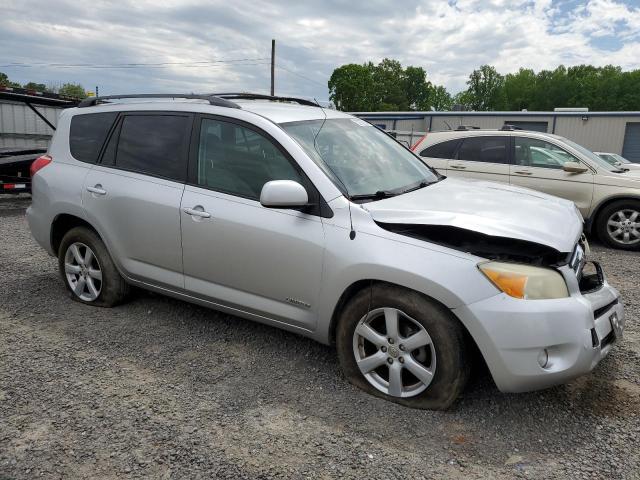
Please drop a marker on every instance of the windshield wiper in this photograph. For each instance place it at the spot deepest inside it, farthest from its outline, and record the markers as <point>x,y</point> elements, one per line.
<point>379,195</point>
<point>417,187</point>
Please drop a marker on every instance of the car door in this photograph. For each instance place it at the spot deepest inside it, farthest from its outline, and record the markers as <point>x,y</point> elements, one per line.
<point>538,164</point>
<point>133,195</point>
<point>237,253</point>
<point>483,157</point>
<point>438,155</point>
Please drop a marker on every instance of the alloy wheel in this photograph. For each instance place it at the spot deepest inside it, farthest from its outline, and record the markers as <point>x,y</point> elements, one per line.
<point>83,273</point>
<point>394,352</point>
<point>623,226</point>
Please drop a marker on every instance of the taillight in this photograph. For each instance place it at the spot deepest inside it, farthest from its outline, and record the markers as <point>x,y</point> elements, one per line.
<point>39,163</point>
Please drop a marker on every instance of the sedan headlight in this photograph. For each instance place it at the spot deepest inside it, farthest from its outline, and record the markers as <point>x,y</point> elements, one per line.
<point>525,281</point>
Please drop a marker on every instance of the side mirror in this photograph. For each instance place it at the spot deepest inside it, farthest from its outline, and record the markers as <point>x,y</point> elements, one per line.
<point>283,194</point>
<point>574,167</point>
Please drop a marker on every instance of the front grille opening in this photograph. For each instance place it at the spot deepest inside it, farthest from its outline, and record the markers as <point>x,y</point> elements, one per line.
<point>609,338</point>
<point>594,338</point>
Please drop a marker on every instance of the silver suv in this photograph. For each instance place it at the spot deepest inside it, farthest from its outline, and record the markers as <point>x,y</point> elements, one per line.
<point>314,221</point>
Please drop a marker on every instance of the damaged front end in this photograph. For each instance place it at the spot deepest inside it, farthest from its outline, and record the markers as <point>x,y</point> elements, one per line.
<point>483,245</point>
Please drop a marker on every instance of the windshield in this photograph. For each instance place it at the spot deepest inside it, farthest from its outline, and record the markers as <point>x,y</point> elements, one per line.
<point>601,162</point>
<point>619,158</point>
<point>360,158</point>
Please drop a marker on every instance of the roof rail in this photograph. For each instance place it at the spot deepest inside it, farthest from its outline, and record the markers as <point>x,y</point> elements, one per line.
<point>510,128</point>
<point>260,96</point>
<point>461,128</point>
<point>213,100</point>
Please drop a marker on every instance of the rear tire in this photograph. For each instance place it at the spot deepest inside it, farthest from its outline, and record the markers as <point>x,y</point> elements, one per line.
<point>88,271</point>
<point>618,224</point>
<point>441,363</point>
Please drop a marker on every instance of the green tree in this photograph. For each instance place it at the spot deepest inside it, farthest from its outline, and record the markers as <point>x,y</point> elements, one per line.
<point>440,99</point>
<point>74,90</point>
<point>5,82</point>
<point>39,87</point>
<point>418,90</point>
<point>351,88</point>
<point>519,89</point>
<point>486,89</point>
<point>388,77</point>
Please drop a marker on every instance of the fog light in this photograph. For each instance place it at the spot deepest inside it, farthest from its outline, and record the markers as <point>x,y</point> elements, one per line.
<point>543,358</point>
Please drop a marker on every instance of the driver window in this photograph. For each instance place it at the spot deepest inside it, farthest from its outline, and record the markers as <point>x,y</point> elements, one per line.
<point>532,152</point>
<point>239,161</point>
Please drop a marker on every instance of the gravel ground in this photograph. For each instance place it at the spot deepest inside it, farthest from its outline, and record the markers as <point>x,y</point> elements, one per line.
<point>163,389</point>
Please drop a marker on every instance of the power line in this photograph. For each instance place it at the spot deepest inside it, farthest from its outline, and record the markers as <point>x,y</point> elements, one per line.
<point>210,63</point>
<point>301,76</point>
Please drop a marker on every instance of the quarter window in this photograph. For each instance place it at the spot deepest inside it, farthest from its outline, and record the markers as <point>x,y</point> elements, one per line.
<point>87,134</point>
<point>154,144</point>
<point>484,149</point>
<point>239,161</point>
<point>531,152</point>
<point>441,150</point>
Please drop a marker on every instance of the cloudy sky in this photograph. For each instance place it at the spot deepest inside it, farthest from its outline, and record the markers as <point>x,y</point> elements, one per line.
<point>212,45</point>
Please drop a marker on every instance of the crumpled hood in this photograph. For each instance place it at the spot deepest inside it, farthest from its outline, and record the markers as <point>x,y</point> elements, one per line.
<point>490,208</point>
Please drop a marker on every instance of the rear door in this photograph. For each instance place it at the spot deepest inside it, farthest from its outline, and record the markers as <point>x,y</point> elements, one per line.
<point>438,155</point>
<point>539,165</point>
<point>482,157</point>
<point>133,196</point>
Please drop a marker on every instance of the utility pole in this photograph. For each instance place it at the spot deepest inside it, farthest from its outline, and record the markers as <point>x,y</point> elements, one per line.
<point>273,66</point>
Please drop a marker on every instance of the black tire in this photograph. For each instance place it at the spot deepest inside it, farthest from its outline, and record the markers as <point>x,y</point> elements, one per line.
<point>447,335</point>
<point>602,223</point>
<point>113,288</point>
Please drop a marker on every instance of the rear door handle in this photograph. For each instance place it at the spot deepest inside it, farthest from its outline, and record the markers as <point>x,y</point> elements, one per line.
<point>197,211</point>
<point>97,190</point>
<point>523,172</point>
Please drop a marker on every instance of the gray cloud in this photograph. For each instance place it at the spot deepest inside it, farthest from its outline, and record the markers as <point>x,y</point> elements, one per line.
<point>448,39</point>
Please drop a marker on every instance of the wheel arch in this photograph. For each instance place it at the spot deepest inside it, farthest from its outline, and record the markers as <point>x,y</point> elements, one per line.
<point>593,218</point>
<point>357,286</point>
<point>64,222</point>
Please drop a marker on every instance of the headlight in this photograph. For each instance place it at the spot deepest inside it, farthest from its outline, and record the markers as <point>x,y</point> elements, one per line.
<point>525,281</point>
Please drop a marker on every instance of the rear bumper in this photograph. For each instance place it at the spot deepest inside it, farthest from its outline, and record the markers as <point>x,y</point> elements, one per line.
<point>40,228</point>
<point>514,335</point>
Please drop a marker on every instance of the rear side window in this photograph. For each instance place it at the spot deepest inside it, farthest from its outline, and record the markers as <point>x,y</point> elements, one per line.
<point>441,150</point>
<point>154,144</point>
<point>484,149</point>
<point>87,134</point>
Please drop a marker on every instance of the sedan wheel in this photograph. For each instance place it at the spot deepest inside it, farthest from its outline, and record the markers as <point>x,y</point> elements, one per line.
<point>83,272</point>
<point>394,352</point>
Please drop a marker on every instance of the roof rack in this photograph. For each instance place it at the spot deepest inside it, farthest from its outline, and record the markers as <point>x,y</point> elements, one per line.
<point>466,127</point>
<point>213,99</point>
<point>260,96</point>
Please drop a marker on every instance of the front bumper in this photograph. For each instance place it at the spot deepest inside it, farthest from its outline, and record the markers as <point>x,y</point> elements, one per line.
<point>576,332</point>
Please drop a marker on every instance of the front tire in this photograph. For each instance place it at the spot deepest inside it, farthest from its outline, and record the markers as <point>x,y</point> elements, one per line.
<point>401,346</point>
<point>618,225</point>
<point>88,271</point>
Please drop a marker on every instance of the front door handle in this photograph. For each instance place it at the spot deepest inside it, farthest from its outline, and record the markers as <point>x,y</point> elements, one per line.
<point>97,190</point>
<point>197,211</point>
<point>458,167</point>
<point>523,172</point>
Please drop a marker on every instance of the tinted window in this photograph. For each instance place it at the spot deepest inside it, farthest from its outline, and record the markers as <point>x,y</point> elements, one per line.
<point>239,161</point>
<point>87,134</point>
<point>154,144</point>
<point>532,152</point>
<point>484,149</point>
<point>441,150</point>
